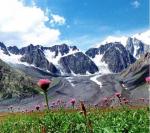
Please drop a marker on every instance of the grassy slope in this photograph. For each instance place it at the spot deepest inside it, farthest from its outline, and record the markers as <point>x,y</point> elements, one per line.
<point>14,83</point>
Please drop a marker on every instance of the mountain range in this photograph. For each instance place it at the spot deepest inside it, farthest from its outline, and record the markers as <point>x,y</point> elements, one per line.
<point>67,60</point>
<point>100,69</point>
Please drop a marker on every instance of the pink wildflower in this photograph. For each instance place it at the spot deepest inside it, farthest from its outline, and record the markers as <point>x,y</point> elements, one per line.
<point>44,84</point>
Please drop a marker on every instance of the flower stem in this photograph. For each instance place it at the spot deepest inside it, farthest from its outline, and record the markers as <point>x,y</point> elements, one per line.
<point>46,99</point>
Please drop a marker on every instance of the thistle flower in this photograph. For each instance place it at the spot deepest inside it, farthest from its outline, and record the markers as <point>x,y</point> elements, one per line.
<point>147,79</point>
<point>141,99</point>
<point>58,101</point>
<point>53,103</point>
<point>11,108</point>
<point>73,101</point>
<point>51,106</point>
<point>37,107</point>
<point>95,105</point>
<point>126,101</point>
<point>105,99</point>
<point>45,105</point>
<point>111,99</point>
<point>117,94</point>
<point>44,85</point>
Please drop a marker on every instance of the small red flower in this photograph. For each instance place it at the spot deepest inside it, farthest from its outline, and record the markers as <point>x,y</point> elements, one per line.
<point>147,79</point>
<point>53,103</point>
<point>45,105</point>
<point>105,99</point>
<point>126,101</point>
<point>44,84</point>
<point>142,99</point>
<point>72,101</point>
<point>58,101</point>
<point>118,94</point>
<point>37,107</point>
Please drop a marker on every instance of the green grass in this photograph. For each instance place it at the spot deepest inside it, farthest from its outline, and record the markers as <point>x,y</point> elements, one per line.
<point>71,121</point>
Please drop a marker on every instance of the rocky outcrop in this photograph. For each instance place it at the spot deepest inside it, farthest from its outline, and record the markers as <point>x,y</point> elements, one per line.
<point>78,63</point>
<point>118,58</point>
<point>13,50</point>
<point>14,83</point>
<point>4,48</point>
<point>37,58</point>
<point>62,49</point>
<point>135,74</point>
<point>114,55</point>
<point>135,47</point>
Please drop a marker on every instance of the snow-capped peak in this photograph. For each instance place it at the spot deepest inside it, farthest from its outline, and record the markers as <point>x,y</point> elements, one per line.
<point>113,39</point>
<point>55,59</point>
<point>144,37</point>
<point>11,58</point>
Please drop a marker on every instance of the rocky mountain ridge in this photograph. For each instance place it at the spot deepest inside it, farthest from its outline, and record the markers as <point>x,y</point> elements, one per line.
<point>64,59</point>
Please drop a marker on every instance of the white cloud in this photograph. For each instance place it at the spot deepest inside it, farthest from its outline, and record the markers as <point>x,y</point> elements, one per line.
<point>21,25</point>
<point>143,36</point>
<point>56,19</point>
<point>109,39</point>
<point>135,4</point>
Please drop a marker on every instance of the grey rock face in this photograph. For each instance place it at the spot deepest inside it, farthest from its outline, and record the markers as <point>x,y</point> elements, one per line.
<point>63,49</point>
<point>78,63</point>
<point>118,58</point>
<point>4,48</point>
<point>13,50</point>
<point>135,47</point>
<point>114,54</point>
<point>37,58</point>
<point>135,74</point>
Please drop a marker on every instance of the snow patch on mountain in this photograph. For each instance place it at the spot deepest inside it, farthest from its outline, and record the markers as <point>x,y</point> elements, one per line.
<point>12,58</point>
<point>135,51</point>
<point>50,56</point>
<point>94,79</point>
<point>102,66</point>
<point>70,79</point>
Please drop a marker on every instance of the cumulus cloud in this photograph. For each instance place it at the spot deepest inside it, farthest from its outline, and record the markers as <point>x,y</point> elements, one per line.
<point>56,19</point>
<point>135,4</point>
<point>21,25</point>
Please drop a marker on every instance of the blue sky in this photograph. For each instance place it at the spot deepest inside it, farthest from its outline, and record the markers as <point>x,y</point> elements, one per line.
<point>95,19</point>
<point>85,22</point>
